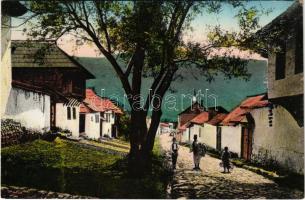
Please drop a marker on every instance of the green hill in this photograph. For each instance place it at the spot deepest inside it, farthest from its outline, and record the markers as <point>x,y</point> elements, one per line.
<point>229,92</point>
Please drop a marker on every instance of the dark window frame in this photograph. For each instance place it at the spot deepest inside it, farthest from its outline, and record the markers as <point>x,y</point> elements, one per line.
<point>280,63</point>
<point>97,118</point>
<point>74,112</point>
<point>69,113</point>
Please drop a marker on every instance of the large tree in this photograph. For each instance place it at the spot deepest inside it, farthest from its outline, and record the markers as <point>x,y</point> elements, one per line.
<point>148,36</point>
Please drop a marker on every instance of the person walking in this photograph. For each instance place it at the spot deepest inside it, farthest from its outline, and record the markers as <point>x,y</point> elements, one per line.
<point>225,157</point>
<point>175,148</point>
<point>196,153</point>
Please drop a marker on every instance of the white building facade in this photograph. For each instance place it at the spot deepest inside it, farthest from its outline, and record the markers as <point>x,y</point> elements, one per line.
<point>31,109</point>
<point>67,118</point>
<point>282,143</point>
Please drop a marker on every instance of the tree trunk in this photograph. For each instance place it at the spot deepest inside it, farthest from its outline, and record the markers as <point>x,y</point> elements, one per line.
<point>155,120</point>
<point>142,140</point>
<point>137,157</point>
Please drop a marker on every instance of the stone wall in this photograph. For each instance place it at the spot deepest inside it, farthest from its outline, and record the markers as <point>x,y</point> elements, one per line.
<point>13,192</point>
<point>13,133</point>
<point>282,143</point>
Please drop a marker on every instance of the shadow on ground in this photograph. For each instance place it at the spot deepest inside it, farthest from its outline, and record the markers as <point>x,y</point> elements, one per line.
<point>67,167</point>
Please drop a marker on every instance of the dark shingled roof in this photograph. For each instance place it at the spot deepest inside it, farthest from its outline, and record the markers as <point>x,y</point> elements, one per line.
<point>40,54</point>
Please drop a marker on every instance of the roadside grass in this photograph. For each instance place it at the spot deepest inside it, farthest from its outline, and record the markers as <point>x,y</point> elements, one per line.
<point>107,145</point>
<point>70,167</point>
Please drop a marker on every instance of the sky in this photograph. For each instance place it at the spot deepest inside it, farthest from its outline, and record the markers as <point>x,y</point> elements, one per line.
<point>226,18</point>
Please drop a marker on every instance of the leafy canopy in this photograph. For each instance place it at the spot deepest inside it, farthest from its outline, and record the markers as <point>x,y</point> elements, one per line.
<point>147,35</point>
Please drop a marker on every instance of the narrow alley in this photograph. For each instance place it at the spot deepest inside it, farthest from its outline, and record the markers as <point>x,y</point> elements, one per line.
<point>212,183</point>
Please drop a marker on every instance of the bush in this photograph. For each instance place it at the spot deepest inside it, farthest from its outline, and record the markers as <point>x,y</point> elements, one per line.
<point>56,129</point>
<point>124,125</point>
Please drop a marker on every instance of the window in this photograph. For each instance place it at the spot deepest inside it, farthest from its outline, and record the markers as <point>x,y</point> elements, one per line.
<point>107,117</point>
<point>74,113</point>
<point>280,62</point>
<point>97,118</point>
<point>199,132</point>
<point>299,48</point>
<point>69,113</point>
<point>92,118</point>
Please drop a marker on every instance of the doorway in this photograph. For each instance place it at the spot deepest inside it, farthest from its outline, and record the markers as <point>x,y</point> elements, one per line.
<point>218,138</point>
<point>246,150</point>
<point>53,115</point>
<point>82,121</point>
<point>113,131</point>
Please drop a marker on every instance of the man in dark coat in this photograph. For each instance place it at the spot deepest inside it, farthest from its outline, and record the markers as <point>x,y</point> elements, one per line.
<point>196,153</point>
<point>175,148</point>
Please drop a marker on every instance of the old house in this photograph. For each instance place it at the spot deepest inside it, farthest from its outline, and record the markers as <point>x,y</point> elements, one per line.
<point>183,120</point>
<point>279,130</point>
<point>45,65</point>
<point>238,126</point>
<point>165,127</point>
<point>194,122</point>
<point>201,126</point>
<point>98,116</point>
<point>24,103</point>
<point>210,131</point>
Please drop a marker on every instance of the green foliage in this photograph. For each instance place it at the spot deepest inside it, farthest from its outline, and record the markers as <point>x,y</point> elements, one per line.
<point>124,126</point>
<point>70,167</point>
<point>148,37</point>
<point>121,26</point>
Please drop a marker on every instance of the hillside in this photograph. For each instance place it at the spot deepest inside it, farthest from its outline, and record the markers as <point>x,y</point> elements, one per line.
<point>229,92</point>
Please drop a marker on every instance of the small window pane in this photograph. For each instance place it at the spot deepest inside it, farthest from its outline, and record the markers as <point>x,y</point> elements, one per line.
<point>280,66</point>
<point>97,118</point>
<point>74,113</point>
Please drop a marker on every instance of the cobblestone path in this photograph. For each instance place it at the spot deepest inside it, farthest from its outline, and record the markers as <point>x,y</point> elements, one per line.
<point>210,183</point>
<point>13,192</point>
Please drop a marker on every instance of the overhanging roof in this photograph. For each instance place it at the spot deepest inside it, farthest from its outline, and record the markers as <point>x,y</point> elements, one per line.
<point>43,54</point>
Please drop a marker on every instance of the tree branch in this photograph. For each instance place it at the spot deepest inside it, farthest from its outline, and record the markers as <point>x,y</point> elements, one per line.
<point>130,65</point>
<point>103,25</point>
<point>107,54</point>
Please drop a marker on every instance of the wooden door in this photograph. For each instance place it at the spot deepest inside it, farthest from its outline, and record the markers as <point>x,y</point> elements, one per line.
<point>246,143</point>
<point>82,118</point>
<point>101,126</point>
<point>53,115</point>
<point>218,138</point>
<point>113,131</point>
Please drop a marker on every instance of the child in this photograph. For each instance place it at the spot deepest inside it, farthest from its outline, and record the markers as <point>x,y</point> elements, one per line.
<point>225,157</point>
<point>175,149</point>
